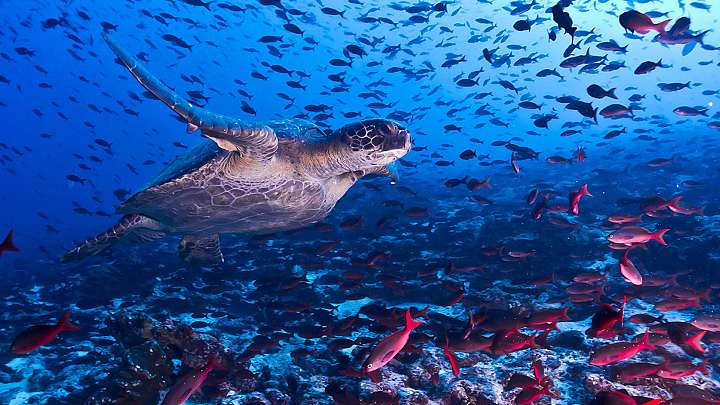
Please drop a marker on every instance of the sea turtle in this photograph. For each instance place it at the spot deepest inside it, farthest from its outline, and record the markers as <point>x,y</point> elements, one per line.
<point>247,178</point>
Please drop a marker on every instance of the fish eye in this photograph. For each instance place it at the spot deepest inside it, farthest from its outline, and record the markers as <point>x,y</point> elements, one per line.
<point>369,365</point>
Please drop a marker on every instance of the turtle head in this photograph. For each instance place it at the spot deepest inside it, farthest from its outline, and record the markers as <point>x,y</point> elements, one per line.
<point>373,143</point>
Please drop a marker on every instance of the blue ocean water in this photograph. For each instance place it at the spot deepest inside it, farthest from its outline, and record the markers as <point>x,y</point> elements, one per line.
<point>476,216</point>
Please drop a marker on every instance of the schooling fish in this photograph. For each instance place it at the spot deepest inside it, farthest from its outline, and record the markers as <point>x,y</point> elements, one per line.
<point>390,346</point>
<point>39,335</point>
<point>188,384</point>
<point>648,66</point>
<point>636,234</point>
<point>575,199</point>
<point>451,358</point>
<point>598,92</point>
<point>619,351</point>
<point>605,318</point>
<point>637,22</point>
<point>629,271</point>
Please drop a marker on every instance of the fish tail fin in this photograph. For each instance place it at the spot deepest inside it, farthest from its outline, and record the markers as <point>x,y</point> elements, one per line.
<point>410,323</point>
<point>8,245</point>
<point>64,322</point>
<point>584,190</point>
<point>673,204</point>
<point>695,341</point>
<point>611,93</point>
<point>451,357</point>
<point>487,181</point>
<point>660,27</point>
<point>658,236</point>
<point>700,37</point>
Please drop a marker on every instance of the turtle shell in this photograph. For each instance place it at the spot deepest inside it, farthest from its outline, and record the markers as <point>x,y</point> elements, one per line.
<point>187,162</point>
<point>297,130</point>
<point>291,130</point>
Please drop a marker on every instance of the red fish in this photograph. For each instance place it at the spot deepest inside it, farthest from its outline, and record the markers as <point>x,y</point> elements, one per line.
<point>659,203</point>
<point>505,342</point>
<point>350,222</point>
<point>532,197</point>
<point>39,335</point>
<point>451,357</point>
<point>475,185</point>
<point>390,346</point>
<point>580,155</point>
<point>624,218</point>
<point>629,271</point>
<point>635,21</point>
<point>531,394</point>
<point>605,318</point>
<point>514,164</point>
<point>7,245</point>
<point>188,384</point>
<point>538,210</point>
<point>636,370</point>
<point>471,325</point>
<point>548,316</point>
<point>683,334</point>
<point>676,208</point>
<point>539,372</point>
<point>575,198</point>
<point>417,212</point>
<point>326,247</point>
<point>636,234</point>
<point>677,304</point>
<point>677,369</point>
<point>619,351</point>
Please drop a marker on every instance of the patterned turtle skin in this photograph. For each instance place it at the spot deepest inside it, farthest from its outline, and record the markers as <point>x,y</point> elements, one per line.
<point>247,178</point>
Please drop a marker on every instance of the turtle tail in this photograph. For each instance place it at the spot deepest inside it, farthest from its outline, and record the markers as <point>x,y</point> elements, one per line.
<point>133,228</point>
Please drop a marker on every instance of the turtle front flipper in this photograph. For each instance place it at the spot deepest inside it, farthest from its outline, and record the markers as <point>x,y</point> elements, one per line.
<point>133,228</point>
<point>227,132</point>
<point>202,250</point>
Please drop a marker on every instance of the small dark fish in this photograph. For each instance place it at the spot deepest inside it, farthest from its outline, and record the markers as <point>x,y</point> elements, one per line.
<point>332,11</point>
<point>176,41</point>
<point>648,66</point>
<point>598,92</point>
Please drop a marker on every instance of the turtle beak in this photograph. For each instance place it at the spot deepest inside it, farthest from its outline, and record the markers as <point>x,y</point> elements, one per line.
<point>398,138</point>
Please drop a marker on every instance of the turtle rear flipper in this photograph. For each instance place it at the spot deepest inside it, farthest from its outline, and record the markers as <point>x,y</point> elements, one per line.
<point>227,132</point>
<point>201,250</point>
<point>133,228</point>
